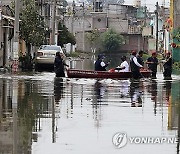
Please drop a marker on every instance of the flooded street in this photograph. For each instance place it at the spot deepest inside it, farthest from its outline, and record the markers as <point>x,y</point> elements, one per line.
<point>41,114</point>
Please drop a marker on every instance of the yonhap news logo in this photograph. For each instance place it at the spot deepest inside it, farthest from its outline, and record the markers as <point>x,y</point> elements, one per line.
<point>121,139</point>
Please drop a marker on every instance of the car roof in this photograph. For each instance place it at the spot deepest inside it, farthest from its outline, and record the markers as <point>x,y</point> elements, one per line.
<point>51,47</point>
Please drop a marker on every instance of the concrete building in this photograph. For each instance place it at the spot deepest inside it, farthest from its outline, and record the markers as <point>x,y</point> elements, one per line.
<point>51,14</point>
<point>6,2</point>
<point>163,33</point>
<point>6,34</point>
<point>122,18</point>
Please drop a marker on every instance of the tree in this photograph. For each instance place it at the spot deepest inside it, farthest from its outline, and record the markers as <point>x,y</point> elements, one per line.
<point>64,36</point>
<point>93,36</point>
<point>32,29</point>
<point>112,40</point>
<point>32,26</point>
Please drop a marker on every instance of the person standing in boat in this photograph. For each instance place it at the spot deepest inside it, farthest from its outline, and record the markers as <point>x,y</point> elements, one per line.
<point>152,64</point>
<point>167,66</point>
<point>100,65</point>
<point>124,67</point>
<point>59,64</point>
<point>135,66</point>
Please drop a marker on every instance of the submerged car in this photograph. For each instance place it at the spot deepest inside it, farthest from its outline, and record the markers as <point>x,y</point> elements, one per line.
<point>46,54</point>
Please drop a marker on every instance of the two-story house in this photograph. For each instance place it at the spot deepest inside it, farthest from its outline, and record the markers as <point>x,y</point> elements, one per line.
<point>124,19</point>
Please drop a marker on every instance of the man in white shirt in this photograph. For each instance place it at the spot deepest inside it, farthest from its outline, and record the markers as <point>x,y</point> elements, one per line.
<point>124,67</point>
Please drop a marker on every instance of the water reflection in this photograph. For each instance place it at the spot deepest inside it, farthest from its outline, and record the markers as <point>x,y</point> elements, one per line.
<point>58,92</point>
<point>41,117</point>
<point>172,99</point>
<point>178,135</point>
<point>99,92</point>
<point>167,87</point>
<point>58,89</point>
<point>152,89</point>
<point>136,89</point>
<point>124,89</point>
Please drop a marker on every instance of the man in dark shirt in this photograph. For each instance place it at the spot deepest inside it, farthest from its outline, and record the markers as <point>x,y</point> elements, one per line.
<point>59,65</point>
<point>100,65</point>
<point>135,66</point>
<point>139,57</point>
<point>167,66</point>
<point>152,64</point>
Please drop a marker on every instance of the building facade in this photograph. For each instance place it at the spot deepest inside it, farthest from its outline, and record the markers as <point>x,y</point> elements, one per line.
<point>121,18</point>
<point>6,34</point>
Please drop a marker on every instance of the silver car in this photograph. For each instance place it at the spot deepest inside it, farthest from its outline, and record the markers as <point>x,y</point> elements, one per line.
<point>46,54</point>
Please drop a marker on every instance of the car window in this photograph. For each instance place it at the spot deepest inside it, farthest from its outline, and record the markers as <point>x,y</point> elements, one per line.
<point>45,47</point>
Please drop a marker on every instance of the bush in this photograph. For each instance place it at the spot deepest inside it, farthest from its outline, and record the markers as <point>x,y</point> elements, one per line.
<point>112,40</point>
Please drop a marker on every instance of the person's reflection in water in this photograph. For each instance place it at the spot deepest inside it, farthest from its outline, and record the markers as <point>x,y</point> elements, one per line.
<point>99,91</point>
<point>136,94</point>
<point>167,86</point>
<point>152,89</point>
<point>58,89</point>
<point>124,89</point>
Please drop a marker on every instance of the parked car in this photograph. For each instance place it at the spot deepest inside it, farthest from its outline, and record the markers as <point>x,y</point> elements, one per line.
<point>46,54</point>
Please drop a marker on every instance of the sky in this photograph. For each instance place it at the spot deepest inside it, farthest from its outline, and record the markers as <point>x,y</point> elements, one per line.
<point>149,3</point>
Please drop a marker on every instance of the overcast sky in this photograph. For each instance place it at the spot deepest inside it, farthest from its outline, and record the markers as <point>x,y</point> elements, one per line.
<point>149,3</point>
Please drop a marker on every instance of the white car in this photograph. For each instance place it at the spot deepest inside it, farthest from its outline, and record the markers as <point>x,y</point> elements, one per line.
<point>46,54</point>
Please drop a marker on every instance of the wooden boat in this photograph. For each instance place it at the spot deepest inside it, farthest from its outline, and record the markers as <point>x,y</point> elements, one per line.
<point>75,73</point>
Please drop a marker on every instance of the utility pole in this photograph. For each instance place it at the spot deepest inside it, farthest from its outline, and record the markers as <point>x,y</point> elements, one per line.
<point>145,25</point>
<point>156,13</point>
<point>1,46</point>
<point>52,34</point>
<point>83,28</point>
<point>15,55</point>
<point>72,23</point>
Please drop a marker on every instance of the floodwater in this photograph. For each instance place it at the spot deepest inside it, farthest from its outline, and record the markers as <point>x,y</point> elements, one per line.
<point>41,114</point>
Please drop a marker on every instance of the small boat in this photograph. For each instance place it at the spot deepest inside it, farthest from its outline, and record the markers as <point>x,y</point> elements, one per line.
<point>75,73</point>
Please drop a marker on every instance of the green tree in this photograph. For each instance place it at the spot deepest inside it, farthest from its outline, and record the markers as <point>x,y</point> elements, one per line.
<point>112,40</point>
<point>32,29</point>
<point>64,36</point>
<point>32,26</point>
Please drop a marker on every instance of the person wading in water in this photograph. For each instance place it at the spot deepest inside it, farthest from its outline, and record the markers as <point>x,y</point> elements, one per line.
<point>59,64</point>
<point>135,66</point>
<point>152,64</point>
<point>139,57</point>
<point>167,66</point>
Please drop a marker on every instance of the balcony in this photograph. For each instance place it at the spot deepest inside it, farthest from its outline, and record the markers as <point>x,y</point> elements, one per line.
<point>134,29</point>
